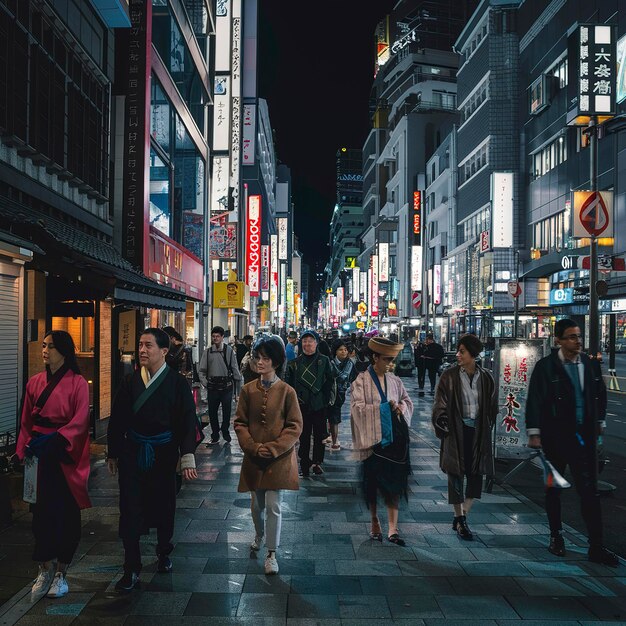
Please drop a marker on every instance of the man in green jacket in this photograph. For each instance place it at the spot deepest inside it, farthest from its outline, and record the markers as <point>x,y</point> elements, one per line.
<point>311,375</point>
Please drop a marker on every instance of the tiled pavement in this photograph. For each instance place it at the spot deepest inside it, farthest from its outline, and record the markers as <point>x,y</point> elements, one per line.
<point>331,573</point>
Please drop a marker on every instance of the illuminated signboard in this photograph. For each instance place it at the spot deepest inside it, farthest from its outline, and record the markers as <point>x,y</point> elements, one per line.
<point>502,207</point>
<point>592,67</point>
<point>253,244</point>
<point>383,262</point>
<point>417,218</point>
<point>274,273</point>
<point>416,268</point>
<point>282,238</point>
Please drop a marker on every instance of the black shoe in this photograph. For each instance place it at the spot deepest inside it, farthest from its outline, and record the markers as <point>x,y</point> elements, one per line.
<point>128,582</point>
<point>227,437</point>
<point>395,538</point>
<point>455,522</point>
<point>303,473</point>
<point>214,441</point>
<point>557,546</point>
<point>317,469</point>
<point>420,394</point>
<point>164,566</point>
<point>462,529</point>
<point>598,554</point>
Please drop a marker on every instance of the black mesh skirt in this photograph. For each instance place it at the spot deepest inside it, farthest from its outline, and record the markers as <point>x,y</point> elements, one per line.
<point>385,476</point>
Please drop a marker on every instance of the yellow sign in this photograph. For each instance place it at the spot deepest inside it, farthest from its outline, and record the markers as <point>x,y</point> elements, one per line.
<point>228,295</point>
<point>362,307</point>
<point>360,325</point>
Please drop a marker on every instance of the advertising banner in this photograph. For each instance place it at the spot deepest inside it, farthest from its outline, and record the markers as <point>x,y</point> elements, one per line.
<point>273,273</point>
<point>515,360</point>
<point>249,134</point>
<point>253,244</point>
<point>228,295</point>
<point>502,206</point>
<point>222,238</point>
<point>374,302</point>
<point>383,262</point>
<point>282,238</point>
<point>356,284</point>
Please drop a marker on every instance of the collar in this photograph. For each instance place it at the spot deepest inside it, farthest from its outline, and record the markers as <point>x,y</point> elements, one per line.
<point>476,371</point>
<point>266,384</point>
<point>148,378</point>
<point>575,361</point>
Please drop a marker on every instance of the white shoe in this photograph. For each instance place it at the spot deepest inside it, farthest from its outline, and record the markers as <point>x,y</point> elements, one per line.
<point>59,586</point>
<point>42,582</point>
<point>271,565</point>
<point>327,441</point>
<point>256,544</point>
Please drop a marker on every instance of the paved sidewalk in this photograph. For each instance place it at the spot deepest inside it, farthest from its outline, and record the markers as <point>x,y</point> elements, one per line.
<point>331,573</point>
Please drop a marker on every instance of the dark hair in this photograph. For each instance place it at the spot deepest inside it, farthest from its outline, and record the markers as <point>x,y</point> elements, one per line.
<point>562,325</point>
<point>217,329</point>
<point>64,345</point>
<point>471,343</point>
<point>336,345</point>
<point>246,337</point>
<point>293,334</point>
<point>173,333</point>
<point>272,347</point>
<point>160,336</point>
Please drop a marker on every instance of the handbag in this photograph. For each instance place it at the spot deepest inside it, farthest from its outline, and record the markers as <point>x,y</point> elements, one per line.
<point>385,413</point>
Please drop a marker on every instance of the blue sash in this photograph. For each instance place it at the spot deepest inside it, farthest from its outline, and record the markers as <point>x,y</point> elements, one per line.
<point>385,412</point>
<point>145,456</point>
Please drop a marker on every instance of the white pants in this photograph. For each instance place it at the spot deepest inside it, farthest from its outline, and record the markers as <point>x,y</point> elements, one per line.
<point>267,500</point>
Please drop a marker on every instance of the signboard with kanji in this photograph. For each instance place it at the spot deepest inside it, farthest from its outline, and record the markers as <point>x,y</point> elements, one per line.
<point>514,362</point>
<point>592,67</point>
<point>593,214</point>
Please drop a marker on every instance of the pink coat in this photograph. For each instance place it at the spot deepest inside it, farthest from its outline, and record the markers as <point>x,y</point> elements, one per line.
<point>365,410</point>
<point>68,409</point>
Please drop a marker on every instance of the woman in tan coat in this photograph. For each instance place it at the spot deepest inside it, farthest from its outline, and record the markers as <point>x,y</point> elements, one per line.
<point>463,415</point>
<point>268,424</point>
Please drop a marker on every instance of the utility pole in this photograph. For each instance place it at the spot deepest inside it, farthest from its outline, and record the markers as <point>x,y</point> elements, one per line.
<point>593,246</point>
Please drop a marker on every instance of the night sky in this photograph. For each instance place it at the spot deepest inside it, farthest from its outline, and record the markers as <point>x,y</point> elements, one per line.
<point>316,67</point>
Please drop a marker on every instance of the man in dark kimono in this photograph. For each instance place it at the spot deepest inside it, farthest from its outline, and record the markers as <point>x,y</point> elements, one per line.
<point>153,422</point>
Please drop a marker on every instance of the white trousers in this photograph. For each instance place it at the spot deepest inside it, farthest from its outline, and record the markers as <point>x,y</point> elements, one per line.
<point>267,500</point>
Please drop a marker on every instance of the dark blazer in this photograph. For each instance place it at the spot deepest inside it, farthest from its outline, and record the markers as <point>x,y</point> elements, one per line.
<point>551,403</point>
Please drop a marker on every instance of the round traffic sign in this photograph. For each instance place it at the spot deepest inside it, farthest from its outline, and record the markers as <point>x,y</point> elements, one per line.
<point>594,215</point>
<point>416,299</point>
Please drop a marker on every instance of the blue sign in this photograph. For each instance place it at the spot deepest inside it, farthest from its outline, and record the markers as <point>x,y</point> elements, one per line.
<point>561,296</point>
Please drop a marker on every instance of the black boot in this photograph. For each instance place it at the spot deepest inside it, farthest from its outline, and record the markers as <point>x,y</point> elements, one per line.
<point>128,582</point>
<point>462,529</point>
<point>557,545</point>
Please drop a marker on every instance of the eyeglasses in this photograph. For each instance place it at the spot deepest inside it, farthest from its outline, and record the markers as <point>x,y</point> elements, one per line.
<point>571,337</point>
<point>388,359</point>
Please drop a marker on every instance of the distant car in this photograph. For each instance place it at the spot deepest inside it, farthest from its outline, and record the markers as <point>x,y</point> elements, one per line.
<point>404,361</point>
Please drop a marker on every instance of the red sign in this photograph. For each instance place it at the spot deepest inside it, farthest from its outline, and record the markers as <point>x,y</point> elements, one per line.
<point>416,299</point>
<point>606,263</point>
<point>253,245</point>
<point>594,215</point>
<point>484,241</point>
<point>417,218</point>
<point>170,264</point>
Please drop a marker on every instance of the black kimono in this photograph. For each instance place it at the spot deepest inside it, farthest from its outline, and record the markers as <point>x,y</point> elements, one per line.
<point>148,497</point>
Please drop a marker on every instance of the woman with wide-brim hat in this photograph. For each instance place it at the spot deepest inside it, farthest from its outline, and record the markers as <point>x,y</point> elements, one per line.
<point>380,412</point>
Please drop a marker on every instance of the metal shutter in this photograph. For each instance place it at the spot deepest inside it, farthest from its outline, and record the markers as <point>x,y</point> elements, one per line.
<point>9,345</point>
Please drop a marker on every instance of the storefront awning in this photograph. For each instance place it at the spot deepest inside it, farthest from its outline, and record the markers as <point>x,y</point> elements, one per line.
<point>65,242</point>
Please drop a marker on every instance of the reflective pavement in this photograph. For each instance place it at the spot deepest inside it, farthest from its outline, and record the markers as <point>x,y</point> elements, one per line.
<point>331,573</point>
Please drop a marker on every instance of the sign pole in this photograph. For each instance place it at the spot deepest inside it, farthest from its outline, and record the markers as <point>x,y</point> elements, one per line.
<point>593,247</point>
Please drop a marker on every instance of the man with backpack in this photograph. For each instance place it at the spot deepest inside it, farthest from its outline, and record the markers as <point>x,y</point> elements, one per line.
<point>219,373</point>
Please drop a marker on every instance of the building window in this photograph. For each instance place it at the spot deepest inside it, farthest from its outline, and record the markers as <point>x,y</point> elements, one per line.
<point>549,235</point>
<point>473,164</point>
<point>537,96</point>
<point>474,101</point>
<point>549,157</point>
<point>559,72</point>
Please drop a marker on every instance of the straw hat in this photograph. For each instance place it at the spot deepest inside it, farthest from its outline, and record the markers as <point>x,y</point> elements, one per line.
<point>384,347</point>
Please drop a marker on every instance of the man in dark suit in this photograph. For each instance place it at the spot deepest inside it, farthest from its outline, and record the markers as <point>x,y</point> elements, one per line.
<point>565,413</point>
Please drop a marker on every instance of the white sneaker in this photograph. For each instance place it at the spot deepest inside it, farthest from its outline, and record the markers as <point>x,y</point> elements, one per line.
<point>59,586</point>
<point>256,544</point>
<point>42,582</point>
<point>271,565</point>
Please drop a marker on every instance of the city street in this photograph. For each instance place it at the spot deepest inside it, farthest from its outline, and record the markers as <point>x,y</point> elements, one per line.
<point>331,573</point>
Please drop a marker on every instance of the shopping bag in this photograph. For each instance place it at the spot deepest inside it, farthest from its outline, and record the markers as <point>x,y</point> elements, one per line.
<point>551,478</point>
<point>31,465</point>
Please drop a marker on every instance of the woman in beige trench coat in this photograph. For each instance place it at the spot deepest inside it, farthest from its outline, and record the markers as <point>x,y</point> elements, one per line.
<point>268,424</point>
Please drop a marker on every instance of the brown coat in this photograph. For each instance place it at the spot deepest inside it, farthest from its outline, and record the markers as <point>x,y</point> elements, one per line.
<point>449,403</point>
<point>279,431</point>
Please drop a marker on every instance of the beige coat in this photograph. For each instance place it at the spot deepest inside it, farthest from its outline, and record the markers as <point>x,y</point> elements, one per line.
<point>279,430</point>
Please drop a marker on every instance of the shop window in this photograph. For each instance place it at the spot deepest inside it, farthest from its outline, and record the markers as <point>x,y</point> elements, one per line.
<point>537,96</point>
<point>160,208</point>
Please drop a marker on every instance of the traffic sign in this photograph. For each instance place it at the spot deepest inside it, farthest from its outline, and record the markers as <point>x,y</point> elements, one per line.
<point>593,212</point>
<point>416,299</point>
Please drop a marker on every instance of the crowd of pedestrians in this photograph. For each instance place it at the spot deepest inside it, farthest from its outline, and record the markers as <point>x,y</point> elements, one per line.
<point>289,394</point>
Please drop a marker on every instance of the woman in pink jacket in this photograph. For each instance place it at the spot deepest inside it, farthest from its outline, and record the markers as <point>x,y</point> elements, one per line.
<point>380,412</point>
<point>55,430</point>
